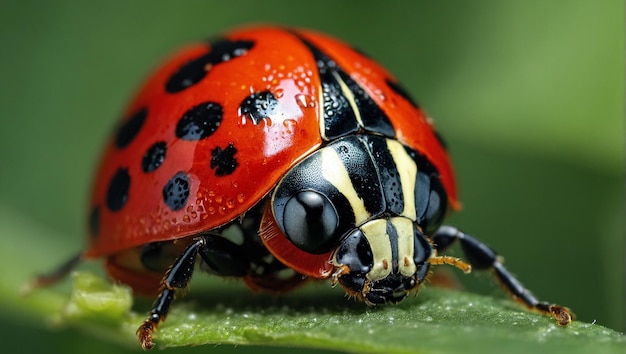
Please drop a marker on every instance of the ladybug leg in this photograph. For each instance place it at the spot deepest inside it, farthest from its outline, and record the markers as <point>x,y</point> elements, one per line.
<point>482,257</point>
<point>251,261</point>
<point>177,277</point>
<point>159,312</point>
<point>221,256</point>
<point>51,278</point>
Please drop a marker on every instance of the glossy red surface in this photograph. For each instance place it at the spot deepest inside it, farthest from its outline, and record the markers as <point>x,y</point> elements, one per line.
<point>280,63</point>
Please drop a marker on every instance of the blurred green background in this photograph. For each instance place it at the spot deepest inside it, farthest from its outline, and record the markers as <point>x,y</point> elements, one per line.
<point>529,95</point>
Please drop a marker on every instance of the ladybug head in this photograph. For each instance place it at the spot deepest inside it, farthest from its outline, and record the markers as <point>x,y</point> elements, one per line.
<point>383,260</point>
<point>349,208</point>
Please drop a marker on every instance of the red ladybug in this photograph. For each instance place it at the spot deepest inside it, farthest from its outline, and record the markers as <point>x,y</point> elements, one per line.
<point>277,156</point>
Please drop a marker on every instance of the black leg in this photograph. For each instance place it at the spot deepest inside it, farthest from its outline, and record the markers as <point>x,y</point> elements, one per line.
<point>480,256</point>
<point>222,258</point>
<point>176,277</point>
<point>159,311</point>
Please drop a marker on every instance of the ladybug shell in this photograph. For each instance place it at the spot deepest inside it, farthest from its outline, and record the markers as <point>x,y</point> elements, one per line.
<point>217,126</point>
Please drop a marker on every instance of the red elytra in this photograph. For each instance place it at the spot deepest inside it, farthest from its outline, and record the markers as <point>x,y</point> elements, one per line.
<point>280,63</point>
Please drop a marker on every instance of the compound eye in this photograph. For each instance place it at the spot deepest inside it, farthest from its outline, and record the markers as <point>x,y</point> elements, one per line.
<point>436,209</point>
<point>310,222</point>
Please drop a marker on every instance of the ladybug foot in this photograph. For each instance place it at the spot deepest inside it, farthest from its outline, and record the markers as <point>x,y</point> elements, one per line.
<point>144,334</point>
<point>562,315</point>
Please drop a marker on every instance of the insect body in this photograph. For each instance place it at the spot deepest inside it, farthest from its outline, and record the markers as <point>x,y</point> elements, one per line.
<point>277,156</point>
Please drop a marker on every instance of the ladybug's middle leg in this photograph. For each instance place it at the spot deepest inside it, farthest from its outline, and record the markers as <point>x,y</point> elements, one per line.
<point>482,257</point>
<point>222,257</point>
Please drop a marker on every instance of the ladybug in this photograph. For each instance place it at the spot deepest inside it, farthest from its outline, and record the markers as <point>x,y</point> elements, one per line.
<point>278,156</point>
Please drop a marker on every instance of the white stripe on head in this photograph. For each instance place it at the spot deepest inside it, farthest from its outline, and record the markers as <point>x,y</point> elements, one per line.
<point>406,245</point>
<point>375,232</point>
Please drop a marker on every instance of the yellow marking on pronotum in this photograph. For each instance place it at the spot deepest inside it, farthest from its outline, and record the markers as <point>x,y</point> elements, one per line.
<point>407,169</point>
<point>334,171</point>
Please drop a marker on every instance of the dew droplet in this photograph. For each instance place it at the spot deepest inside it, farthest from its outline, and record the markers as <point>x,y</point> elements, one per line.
<point>305,101</point>
<point>380,94</point>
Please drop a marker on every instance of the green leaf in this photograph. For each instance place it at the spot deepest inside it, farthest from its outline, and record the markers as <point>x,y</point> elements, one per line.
<point>315,316</point>
<point>438,321</point>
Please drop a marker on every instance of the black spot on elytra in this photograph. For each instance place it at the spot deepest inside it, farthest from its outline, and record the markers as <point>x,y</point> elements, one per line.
<point>154,157</point>
<point>200,121</point>
<point>129,128</point>
<point>195,70</point>
<point>400,90</point>
<point>176,191</point>
<point>117,193</point>
<point>258,106</point>
<point>94,221</point>
<point>187,75</point>
<point>223,160</point>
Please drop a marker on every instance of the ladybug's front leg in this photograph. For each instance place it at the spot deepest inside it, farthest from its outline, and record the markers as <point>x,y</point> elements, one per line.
<point>480,256</point>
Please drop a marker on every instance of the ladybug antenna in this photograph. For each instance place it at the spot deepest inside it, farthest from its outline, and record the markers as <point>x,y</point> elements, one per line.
<point>453,261</point>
